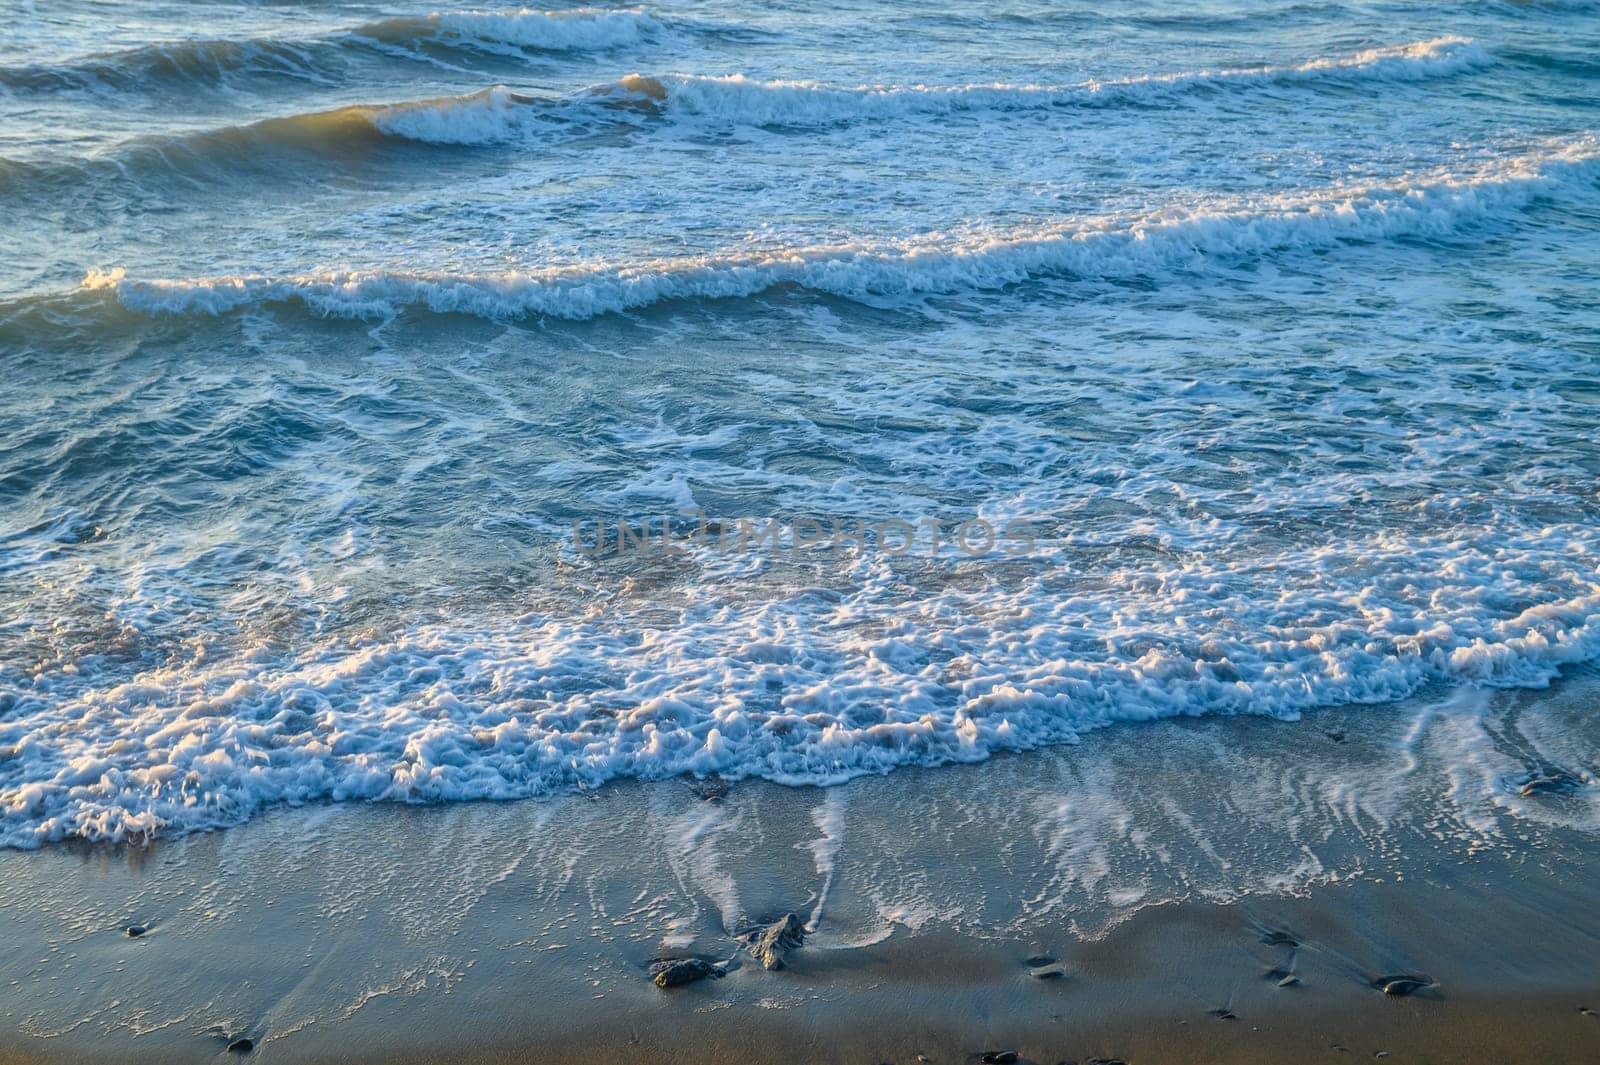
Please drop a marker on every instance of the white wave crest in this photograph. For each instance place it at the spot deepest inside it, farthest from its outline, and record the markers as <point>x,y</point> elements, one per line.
<point>488,117</point>
<point>1122,245</point>
<point>575,29</point>
<point>737,99</point>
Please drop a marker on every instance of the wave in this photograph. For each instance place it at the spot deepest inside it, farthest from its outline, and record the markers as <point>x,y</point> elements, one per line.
<point>179,61</point>
<point>500,116</point>
<point>1440,205</point>
<point>487,708</point>
<point>740,100</point>
<point>313,58</point>
<point>344,134</point>
<point>586,29</point>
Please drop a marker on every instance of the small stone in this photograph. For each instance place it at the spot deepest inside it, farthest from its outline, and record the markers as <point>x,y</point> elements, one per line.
<point>136,930</point>
<point>999,1057</point>
<point>1340,1047</point>
<point>675,972</point>
<point>769,944</point>
<point>1107,1061</point>
<point>1587,1012</point>
<point>1280,939</point>
<point>1053,972</point>
<point>1336,737</point>
<point>1222,1013</point>
<point>1401,985</point>
<point>1036,960</point>
<point>241,1046</point>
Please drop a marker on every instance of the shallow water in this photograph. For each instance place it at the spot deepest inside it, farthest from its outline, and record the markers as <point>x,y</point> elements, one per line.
<point>1273,325</point>
<point>1171,869</point>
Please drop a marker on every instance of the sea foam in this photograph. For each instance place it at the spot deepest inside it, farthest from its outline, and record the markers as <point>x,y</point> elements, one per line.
<point>800,688</point>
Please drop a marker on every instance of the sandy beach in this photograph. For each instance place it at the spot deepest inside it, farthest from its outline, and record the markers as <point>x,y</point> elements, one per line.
<point>1145,897</point>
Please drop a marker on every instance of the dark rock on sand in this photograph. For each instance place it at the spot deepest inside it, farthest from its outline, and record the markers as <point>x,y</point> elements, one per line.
<point>136,930</point>
<point>1049,972</point>
<point>1222,1013</point>
<point>1280,939</point>
<point>241,1046</point>
<point>1587,1012</point>
<point>675,972</point>
<point>1402,984</point>
<point>1034,961</point>
<point>1336,737</point>
<point>770,943</point>
<point>1106,1061</point>
<point>999,1057</point>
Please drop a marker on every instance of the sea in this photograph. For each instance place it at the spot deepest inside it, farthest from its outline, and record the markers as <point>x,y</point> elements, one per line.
<point>408,403</point>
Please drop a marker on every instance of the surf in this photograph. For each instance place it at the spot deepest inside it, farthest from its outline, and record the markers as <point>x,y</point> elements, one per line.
<point>1440,205</point>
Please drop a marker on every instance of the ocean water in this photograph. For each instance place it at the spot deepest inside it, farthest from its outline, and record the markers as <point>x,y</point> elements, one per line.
<point>1263,338</point>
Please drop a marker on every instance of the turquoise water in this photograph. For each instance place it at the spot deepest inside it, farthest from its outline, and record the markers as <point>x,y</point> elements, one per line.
<point>1274,324</point>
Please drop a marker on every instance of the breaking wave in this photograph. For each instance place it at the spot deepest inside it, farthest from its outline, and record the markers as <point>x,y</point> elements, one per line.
<point>499,115</point>
<point>805,689</point>
<point>739,100</point>
<point>1438,205</point>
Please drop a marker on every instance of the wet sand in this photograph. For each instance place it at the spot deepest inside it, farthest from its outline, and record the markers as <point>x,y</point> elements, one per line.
<point>1210,891</point>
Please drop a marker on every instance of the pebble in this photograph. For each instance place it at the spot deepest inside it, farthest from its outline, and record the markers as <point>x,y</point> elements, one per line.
<point>769,944</point>
<point>675,972</point>
<point>1401,985</point>
<point>136,930</point>
<point>241,1046</point>
<point>999,1057</point>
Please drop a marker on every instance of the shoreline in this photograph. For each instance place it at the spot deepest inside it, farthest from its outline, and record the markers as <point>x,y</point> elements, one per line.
<point>1182,982</point>
<point>1166,869</point>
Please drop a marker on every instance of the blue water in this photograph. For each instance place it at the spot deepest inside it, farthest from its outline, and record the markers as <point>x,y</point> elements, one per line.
<point>1275,325</point>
